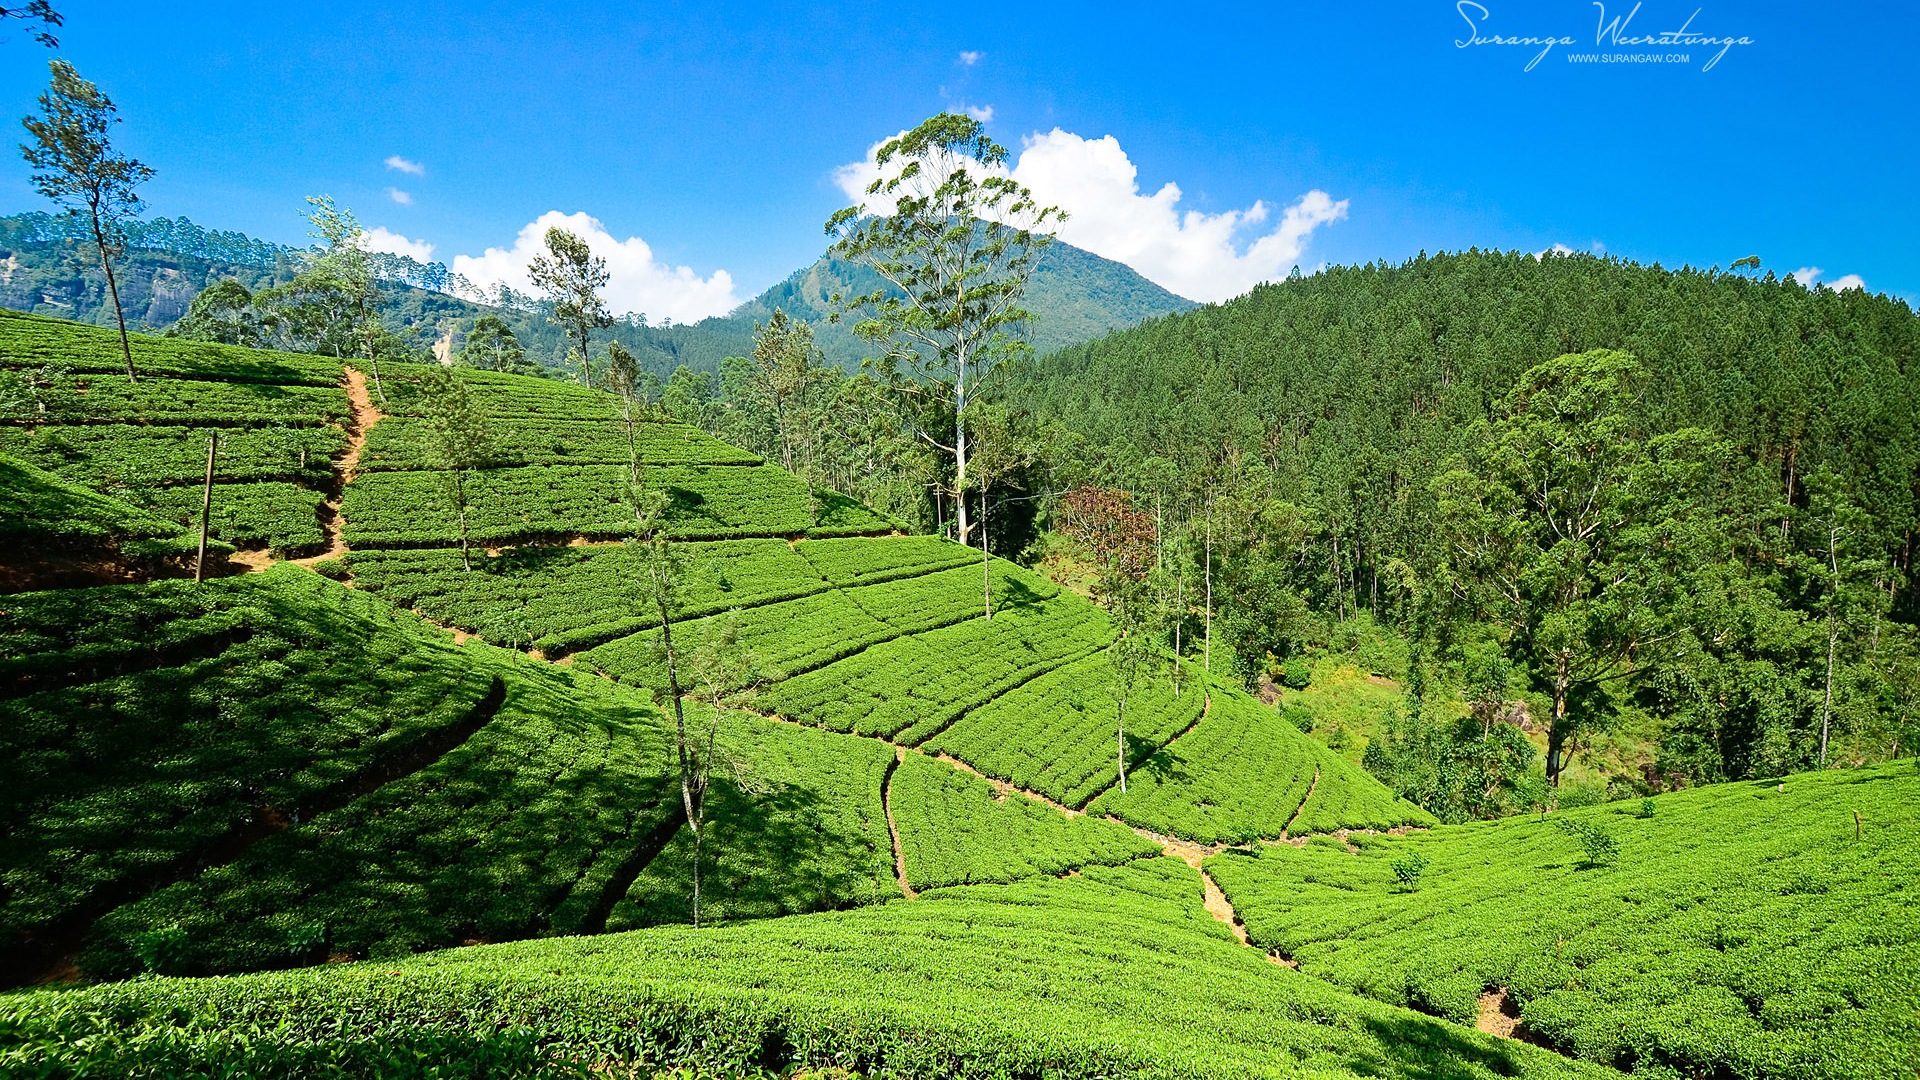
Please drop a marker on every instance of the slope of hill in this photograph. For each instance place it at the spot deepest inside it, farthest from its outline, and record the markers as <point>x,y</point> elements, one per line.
<point>1076,295</point>
<point>870,644</point>
<point>1321,412</point>
<point>1756,929</point>
<point>290,769</point>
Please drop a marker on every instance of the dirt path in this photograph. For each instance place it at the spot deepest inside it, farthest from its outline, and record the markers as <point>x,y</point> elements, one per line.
<point>365,415</point>
<point>1216,901</point>
<point>886,805</point>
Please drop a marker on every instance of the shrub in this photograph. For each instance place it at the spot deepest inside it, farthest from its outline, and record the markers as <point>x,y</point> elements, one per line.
<point>1299,716</point>
<point>1646,808</point>
<point>1598,844</point>
<point>1576,796</point>
<point>1408,868</point>
<point>1296,673</point>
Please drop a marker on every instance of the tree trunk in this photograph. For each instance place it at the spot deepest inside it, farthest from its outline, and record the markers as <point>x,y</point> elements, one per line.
<point>586,373</point>
<point>633,448</point>
<point>1833,637</point>
<point>786,440</point>
<point>1120,737</point>
<point>1159,524</point>
<point>986,567</point>
<point>206,503</point>
<point>960,447</point>
<point>699,835</point>
<point>113,289</point>
<point>679,709</point>
<point>1557,732</point>
<point>1179,616</point>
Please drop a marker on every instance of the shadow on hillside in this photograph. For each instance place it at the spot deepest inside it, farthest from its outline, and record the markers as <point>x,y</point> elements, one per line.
<point>1167,766</point>
<point>779,851</point>
<point>488,843</point>
<point>1420,1048</point>
<point>198,743</point>
<point>1016,595</point>
<point>531,559</point>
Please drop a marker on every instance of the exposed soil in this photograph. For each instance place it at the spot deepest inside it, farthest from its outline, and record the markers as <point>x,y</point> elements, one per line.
<point>1267,690</point>
<point>250,562</point>
<point>365,415</point>
<point>1001,788</point>
<point>1217,906</point>
<point>1498,1014</point>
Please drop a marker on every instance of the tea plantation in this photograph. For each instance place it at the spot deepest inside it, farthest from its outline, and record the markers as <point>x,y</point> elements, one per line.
<point>1116,972</point>
<point>1738,930</point>
<point>279,418</point>
<point>395,850</point>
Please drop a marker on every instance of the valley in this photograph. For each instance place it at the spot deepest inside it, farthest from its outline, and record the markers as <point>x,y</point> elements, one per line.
<point>370,805</point>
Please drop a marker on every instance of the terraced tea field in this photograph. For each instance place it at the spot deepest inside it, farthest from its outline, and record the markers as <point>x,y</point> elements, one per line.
<point>449,800</point>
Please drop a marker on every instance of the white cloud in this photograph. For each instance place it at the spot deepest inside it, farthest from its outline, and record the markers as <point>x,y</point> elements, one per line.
<point>399,196</point>
<point>1199,255</point>
<point>971,57</point>
<point>636,282</point>
<point>380,238</point>
<point>412,168</point>
<point>1557,249</point>
<point>1809,277</point>
<point>982,113</point>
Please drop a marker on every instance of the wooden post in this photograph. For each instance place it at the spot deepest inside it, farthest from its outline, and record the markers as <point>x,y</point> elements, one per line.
<point>206,506</point>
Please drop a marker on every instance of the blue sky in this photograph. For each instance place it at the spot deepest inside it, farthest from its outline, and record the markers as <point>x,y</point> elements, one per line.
<point>715,136</point>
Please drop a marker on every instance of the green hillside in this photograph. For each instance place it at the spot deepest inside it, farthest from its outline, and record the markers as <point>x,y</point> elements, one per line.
<point>1759,929</point>
<point>416,819</point>
<point>1333,439</point>
<point>1076,296</point>
<point>1045,978</point>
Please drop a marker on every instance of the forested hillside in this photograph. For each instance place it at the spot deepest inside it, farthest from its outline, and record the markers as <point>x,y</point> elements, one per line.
<point>1376,449</point>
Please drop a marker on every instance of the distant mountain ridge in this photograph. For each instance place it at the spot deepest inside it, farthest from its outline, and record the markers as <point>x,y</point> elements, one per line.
<point>1075,295</point>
